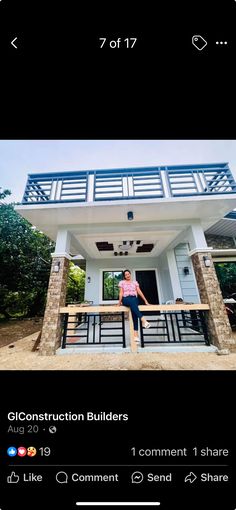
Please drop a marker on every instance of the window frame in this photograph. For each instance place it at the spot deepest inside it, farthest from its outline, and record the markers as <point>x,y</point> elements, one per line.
<point>113,299</point>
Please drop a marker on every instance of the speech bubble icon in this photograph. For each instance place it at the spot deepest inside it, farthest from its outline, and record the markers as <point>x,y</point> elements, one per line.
<point>137,477</point>
<point>62,477</point>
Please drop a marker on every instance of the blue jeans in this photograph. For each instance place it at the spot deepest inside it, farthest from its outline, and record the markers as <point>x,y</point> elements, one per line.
<point>132,303</point>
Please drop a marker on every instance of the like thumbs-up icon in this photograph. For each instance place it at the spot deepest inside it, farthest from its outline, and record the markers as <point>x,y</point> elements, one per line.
<point>13,478</point>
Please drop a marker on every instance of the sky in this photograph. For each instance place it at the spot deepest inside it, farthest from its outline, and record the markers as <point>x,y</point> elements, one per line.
<point>20,157</point>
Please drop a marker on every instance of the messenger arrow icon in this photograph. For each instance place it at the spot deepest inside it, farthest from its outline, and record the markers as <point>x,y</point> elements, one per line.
<point>13,43</point>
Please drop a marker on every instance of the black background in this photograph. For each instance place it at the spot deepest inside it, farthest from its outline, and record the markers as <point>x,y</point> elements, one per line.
<point>166,410</point>
<point>59,84</point>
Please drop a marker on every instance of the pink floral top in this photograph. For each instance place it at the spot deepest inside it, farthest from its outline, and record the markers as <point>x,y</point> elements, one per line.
<point>129,288</point>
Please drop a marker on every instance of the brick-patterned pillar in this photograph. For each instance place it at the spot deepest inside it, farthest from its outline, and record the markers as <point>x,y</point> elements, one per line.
<point>56,297</point>
<point>219,329</point>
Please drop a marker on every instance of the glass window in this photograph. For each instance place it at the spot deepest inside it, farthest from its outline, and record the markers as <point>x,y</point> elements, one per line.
<point>111,281</point>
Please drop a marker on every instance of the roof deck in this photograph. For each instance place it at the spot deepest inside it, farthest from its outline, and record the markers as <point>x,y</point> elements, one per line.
<point>129,184</point>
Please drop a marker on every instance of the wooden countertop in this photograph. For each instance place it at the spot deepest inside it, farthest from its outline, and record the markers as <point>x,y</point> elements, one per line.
<point>143,308</point>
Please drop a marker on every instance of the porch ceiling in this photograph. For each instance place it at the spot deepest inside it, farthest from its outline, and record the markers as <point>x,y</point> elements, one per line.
<point>152,243</point>
<point>155,222</point>
<point>224,227</point>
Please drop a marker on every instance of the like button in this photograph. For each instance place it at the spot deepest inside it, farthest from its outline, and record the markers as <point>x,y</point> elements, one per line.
<point>13,478</point>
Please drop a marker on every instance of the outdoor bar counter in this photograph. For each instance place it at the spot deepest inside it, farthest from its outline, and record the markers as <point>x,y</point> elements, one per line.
<point>72,310</point>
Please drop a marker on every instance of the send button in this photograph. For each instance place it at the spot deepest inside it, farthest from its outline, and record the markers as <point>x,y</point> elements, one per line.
<point>151,477</point>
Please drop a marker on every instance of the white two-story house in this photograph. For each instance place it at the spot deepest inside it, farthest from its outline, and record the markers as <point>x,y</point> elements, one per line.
<point>149,220</point>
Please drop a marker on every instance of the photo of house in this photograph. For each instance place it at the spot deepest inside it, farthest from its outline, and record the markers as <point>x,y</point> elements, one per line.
<point>118,254</point>
<point>163,223</point>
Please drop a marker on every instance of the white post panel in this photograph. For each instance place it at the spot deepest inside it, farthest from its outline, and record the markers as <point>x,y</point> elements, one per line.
<point>63,241</point>
<point>174,275</point>
<point>130,187</point>
<point>196,236</point>
<point>125,187</point>
<point>90,190</point>
<point>198,182</point>
<point>58,190</point>
<point>165,184</point>
<point>53,191</point>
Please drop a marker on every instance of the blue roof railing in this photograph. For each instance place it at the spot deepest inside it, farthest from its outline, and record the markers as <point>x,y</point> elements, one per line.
<point>129,184</point>
<point>231,215</point>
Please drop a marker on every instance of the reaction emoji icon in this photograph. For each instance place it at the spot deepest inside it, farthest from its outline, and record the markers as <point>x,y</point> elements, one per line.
<point>21,452</point>
<point>11,451</point>
<point>31,451</point>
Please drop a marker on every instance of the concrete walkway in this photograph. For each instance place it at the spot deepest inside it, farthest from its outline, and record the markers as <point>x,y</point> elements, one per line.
<point>21,357</point>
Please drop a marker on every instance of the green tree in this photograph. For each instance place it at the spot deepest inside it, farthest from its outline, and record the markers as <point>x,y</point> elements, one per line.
<point>226,273</point>
<point>111,281</point>
<point>4,193</point>
<point>76,284</point>
<point>25,255</point>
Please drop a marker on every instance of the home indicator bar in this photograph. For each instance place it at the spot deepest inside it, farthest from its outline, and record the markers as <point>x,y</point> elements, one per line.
<point>117,503</point>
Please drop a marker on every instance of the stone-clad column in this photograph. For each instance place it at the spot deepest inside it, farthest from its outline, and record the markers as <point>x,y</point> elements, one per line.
<point>219,329</point>
<point>56,297</point>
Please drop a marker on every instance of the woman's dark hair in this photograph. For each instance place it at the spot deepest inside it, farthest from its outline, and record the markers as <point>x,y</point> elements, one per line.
<point>126,271</point>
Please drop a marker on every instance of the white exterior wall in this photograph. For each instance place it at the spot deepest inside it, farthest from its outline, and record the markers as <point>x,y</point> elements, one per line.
<point>94,269</point>
<point>184,286</point>
<point>174,275</point>
<point>164,278</point>
<point>171,281</point>
<point>188,283</point>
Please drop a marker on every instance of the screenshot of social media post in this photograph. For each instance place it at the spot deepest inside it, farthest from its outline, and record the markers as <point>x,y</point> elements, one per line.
<point>117,255</point>
<point>117,325</point>
<point>81,445</point>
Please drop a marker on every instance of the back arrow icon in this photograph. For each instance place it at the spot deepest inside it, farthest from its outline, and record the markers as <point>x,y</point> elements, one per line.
<point>13,43</point>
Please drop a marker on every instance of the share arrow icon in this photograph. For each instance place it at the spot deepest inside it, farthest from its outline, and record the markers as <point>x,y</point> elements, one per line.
<point>191,477</point>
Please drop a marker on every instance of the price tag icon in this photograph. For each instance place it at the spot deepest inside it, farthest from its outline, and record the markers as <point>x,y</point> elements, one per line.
<point>199,42</point>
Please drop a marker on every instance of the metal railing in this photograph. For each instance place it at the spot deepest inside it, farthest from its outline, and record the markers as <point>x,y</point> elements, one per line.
<point>182,327</point>
<point>52,188</point>
<point>105,324</point>
<point>123,184</point>
<point>92,329</point>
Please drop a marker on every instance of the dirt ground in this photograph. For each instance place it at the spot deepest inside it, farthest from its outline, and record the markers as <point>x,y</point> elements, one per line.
<point>13,330</point>
<point>21,357</point>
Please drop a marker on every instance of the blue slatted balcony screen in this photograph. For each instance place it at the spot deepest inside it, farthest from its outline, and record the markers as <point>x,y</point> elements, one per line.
<point>129,184</point>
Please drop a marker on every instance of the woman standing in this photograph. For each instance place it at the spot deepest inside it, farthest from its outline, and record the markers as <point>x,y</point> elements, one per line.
<point>128,297</point>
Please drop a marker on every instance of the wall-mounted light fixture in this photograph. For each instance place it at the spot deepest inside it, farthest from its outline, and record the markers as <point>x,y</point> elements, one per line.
<point>207,261</point>
<point>130,215</point>
<point>56,267</point>
<point>186,270</point>
<point>89,279</point>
